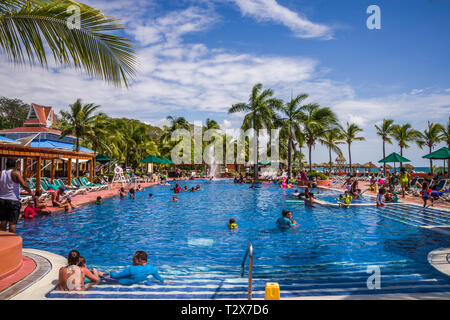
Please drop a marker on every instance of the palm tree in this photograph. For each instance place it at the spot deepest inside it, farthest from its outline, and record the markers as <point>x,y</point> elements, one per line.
<point>445,136</point>
<point>78,121</point>
<point>404,134</point>
<point>98,136</point>
<point>316,121</point>
<point>175,124</point>
<point>34,26</point>
<point>300,143</point>
<point>330,139</point>
<point>349,135</point>
<point>385,131</point>
<point>260,114</point>
<point>430,137</point>
<point>290,124</point>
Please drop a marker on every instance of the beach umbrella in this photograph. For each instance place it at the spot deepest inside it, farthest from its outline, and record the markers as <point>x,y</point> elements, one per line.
<point>152,159</point>
<point>442,154</point>
<point>369,165</point>
<point>102,158</point>
<point>394,157</point>
<point>388,166</point>
<point>265,163</point>
<point>408,166</point>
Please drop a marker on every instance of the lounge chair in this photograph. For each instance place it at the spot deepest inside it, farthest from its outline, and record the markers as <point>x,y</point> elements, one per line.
<point>77,184</point>
<point>441,185</point>
<point>85,182</point>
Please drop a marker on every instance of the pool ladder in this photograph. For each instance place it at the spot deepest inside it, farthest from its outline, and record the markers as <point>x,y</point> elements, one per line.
<point>249,253</point>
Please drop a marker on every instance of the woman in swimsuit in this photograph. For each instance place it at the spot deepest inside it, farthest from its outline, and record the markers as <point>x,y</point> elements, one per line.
<point>71,277</point>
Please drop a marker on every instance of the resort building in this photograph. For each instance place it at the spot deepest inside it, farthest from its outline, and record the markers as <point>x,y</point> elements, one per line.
<point>37,132</point>
<point>40,146</point>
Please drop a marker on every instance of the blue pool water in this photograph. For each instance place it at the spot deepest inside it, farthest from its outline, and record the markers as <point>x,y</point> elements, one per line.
<point>188,241</point>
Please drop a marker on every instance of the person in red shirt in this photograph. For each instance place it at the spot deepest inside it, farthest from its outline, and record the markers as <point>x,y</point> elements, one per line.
<point>177,188</point>
<point>31,211</point>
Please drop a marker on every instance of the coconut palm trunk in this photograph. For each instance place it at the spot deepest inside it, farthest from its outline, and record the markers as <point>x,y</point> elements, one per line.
<point>255,155</point>
<point>310,163</point>
<point>384,156</point>
<point>431,160</point>
<point>350,156</point>
<point>289,157</point>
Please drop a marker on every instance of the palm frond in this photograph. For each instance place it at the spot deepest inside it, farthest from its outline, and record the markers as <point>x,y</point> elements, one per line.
<point>25,25</point>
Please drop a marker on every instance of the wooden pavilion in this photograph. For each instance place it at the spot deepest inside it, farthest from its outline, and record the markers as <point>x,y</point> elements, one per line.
<point>41,154</point>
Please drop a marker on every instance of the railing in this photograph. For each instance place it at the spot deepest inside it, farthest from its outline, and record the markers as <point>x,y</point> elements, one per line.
<point>249,253</point>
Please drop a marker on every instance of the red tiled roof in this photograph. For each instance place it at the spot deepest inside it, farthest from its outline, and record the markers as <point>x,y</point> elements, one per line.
<point>42,113</point>
<point>31,130</point>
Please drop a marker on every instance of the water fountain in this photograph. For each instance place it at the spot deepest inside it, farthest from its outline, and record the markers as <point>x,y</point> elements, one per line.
<point>212,162</point>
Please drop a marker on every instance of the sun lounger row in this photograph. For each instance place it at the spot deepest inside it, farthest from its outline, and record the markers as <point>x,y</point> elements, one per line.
<point>79,185</point>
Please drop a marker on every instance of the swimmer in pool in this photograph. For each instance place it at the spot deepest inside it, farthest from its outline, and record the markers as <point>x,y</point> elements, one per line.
<point>310,200</point>
<point>346,199</point>
<point>99,200</point>
<point>232,224</point>
<point>150,195</point>
<point>132,194</point>
<point>285,221</point>
<point>122,193</point>
<point>296,193</point>
<point>197,187</point>
<point>174,198</point>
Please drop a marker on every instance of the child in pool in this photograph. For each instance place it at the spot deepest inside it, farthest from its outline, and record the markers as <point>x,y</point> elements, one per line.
<point>92,277</point>
<point>232,224</point>
<point>69,205</point>
<point>174,198</point>
<point>132,193</point>
<point>150,195</point>
<point>99,200</point>
<point>380,194</point>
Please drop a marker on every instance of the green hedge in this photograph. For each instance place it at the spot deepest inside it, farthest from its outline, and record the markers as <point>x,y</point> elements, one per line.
<point>318,175</point>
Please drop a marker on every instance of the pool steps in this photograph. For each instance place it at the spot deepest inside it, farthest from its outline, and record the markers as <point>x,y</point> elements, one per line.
<point>298,281</point>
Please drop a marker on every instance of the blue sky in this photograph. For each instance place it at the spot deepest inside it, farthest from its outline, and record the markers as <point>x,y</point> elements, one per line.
<point>197,58</point>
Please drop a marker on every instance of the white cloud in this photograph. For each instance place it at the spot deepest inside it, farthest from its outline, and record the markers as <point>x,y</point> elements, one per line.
<point>270,10</point>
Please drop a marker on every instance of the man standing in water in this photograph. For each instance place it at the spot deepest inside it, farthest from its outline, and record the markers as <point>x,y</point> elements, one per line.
<point>10,182</point>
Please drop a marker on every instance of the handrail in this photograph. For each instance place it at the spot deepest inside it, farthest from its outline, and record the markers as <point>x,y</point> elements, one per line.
<point>249,253</point>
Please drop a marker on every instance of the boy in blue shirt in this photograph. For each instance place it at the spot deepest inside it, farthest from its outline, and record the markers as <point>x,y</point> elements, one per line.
<point>138,272</point>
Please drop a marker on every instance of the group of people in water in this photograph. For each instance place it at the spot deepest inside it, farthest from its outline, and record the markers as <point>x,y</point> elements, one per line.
<point>76,276</point>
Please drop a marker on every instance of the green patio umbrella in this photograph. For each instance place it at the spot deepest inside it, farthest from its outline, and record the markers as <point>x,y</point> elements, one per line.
<point>165,160</point>
<point>102,158</point>
<point>394,157</point>
<point>441,154</point>
<point>152,159</point>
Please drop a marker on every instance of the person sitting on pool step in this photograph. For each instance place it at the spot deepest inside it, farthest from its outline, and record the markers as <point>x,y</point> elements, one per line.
<point>138,272</point>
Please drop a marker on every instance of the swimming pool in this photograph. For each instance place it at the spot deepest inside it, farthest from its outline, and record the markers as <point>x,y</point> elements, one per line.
<point>188,240</point>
